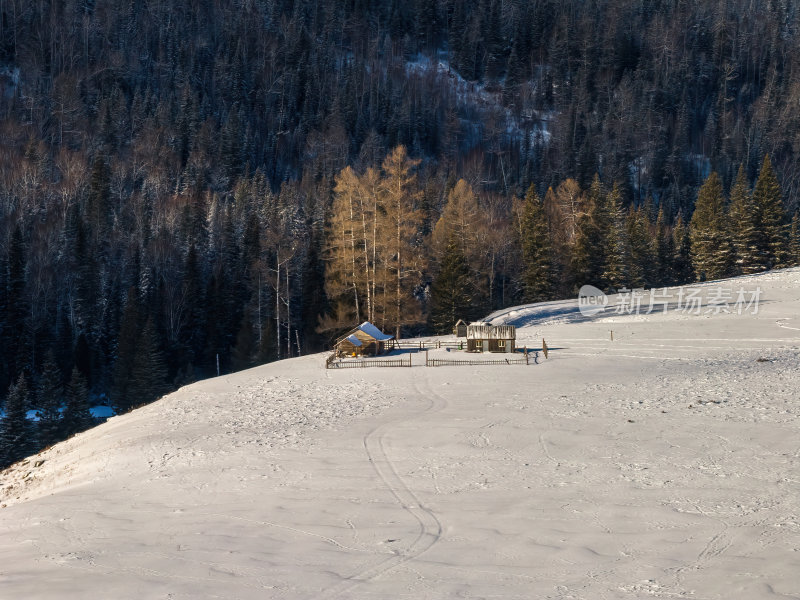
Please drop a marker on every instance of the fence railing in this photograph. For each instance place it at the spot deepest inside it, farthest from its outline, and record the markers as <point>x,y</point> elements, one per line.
<point>429,345</point>
<point>526,358</point>
<point>460,362</point>
<point>333,363</point>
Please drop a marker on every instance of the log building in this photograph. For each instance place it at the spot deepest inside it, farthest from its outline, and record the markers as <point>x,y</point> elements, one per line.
<point>364,340</point>
<point>483,337</point>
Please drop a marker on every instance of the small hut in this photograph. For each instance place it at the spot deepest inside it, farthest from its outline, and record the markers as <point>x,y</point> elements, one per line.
<point>364,340</point>
<point>460,329</point>
<point>484,337</point>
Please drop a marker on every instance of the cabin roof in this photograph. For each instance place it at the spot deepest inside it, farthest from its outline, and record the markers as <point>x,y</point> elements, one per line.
<point>353,340</point>
<point>365,329</point>
<point>374,332</point>
<point>485,331</point>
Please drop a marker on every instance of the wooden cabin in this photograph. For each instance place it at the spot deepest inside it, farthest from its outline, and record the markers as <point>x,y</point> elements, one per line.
<point>460,329</point>
<point>484,337</point>
<point>364,340</point>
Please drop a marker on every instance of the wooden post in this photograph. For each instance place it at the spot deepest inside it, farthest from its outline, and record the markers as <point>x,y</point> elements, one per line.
<point>612,335</point>
<point>544,348</point>
<point>426,358</point>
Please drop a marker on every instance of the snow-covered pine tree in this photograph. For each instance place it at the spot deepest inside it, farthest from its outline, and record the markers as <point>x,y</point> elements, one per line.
<point>770,216</point>
<point>745,233</point>
<point>77,416</point>
<point>712,253</point>
<point>537,260</point>
<point>16,439</point>
<point>617,247</point>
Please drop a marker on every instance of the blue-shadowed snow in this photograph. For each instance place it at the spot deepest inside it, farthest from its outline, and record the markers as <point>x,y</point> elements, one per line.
<point>102,412</point>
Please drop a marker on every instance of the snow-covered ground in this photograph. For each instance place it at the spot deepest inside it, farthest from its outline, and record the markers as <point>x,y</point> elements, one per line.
<point>664,464</point>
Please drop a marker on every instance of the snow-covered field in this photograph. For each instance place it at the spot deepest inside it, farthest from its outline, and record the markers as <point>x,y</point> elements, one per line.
<point>664,464</point>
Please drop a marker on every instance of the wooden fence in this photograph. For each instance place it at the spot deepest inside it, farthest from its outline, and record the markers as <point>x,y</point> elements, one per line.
<point>528,357</point>
<point>462,345</point>
<point>458,362</point>
<point>333,363</point>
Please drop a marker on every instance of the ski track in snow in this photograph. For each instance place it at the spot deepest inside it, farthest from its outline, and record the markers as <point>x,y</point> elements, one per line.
<point>429,527</point>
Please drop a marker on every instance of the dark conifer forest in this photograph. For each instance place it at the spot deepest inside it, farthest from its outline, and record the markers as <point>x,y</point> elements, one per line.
<point>188,186</point>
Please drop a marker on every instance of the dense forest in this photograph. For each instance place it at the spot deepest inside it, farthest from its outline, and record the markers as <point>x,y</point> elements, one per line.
<point>188,187</point>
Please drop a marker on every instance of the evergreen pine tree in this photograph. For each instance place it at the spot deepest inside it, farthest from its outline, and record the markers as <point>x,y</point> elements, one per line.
<point>586,258</point>
<point>617,247</point>
<point>16,440</point>
<point>16,305</point>
<point>494,39</point>
<point>77,416</point>
<point>83,266</point>
<point>83,357</point>
<point>537,260</point>
<point>597,199</point>
<point>770,216</point>
<point>451,297</point>
<point>745,233</point>
<point>148,373</point>
<point>642,261</point>
<point>5,373</point>
<point>192,338</point>
<point>98,211</point>
<point>515,73</point>
<point>51,392</point>
<point>794,241</point>
<point>712,253</point>
<point>314,298</point>
<point>126,351</point>
<point>682,254</point>
<point>662,250</point>
<point>245,350</point>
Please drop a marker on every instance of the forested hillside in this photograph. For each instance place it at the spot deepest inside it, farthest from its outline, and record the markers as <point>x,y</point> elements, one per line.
<point>183,183</point>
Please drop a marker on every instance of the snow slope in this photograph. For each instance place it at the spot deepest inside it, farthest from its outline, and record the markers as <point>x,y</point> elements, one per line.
<point>663,464</point>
